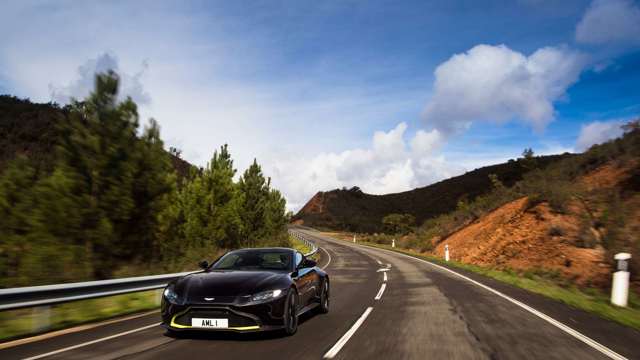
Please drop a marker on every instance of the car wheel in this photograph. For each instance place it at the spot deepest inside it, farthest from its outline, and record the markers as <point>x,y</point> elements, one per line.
<point>291,313</point>
<point>324,298</point>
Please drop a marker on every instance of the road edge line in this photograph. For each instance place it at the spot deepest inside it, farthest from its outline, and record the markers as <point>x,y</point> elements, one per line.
<point>55,352</point>
<point>335,349</point>
<point>71,330</point>
<point>576,334</point>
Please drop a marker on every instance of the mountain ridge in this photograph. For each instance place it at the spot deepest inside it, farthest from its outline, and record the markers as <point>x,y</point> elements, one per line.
<point>354,210</point>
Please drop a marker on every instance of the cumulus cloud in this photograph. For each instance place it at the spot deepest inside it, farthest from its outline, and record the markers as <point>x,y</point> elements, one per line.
<point>394,162</point>
<point>495,83</point>
<point>610,21</point>
<point>598,132</point>
<point>130,85</point>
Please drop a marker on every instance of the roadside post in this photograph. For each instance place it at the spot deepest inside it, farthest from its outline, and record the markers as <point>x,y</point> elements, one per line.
<point>41,320</point>
<point>620,286</point>
<point>354,238</point>
<point>446,253</point>
<point>393,243</point>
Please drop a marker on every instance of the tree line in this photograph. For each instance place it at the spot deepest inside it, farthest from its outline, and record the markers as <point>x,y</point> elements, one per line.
<point>111,204</point>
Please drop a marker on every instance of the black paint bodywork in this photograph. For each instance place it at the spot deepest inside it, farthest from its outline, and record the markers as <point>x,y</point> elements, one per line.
<point>232,290</point>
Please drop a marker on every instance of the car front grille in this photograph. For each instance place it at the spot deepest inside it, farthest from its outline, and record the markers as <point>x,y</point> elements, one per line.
<point>235,319</point>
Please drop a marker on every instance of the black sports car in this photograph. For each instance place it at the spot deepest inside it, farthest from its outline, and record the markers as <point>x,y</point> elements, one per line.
<point>247,290</point>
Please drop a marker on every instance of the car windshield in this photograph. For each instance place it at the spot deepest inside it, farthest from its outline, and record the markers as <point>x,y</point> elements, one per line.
<point>255,260</point>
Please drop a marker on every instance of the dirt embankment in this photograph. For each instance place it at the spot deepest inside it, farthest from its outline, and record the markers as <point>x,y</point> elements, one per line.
<point>514,236</point>
<point>523,237</point>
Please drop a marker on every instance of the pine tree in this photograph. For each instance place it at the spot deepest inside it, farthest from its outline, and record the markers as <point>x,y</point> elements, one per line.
<point>254,190</point>
<point>122,179</point>
<point>225,223</point>
<point>16,204</point>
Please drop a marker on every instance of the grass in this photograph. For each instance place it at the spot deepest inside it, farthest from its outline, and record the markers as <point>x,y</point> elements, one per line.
<point>587,299</point>
<point>23,322</point>
<point>302,247</point>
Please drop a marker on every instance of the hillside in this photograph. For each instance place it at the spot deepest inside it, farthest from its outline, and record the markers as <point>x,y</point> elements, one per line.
<point>563,222</point>
<point>29,129</point>
<point>89,187</point>
<point>354,210</point>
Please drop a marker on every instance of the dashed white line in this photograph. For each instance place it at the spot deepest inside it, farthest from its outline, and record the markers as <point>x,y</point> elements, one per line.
<point>91,342</point>
<point>385,276</point>
<point>585,339</point>
<point>379,262</point>
<point>343,340</point>
<point>381,291</point>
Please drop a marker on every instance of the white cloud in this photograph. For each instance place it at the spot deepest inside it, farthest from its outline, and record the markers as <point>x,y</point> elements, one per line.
<point>610,21</point>
<point>209,85</point>
<point>392,163</point>
<point>598,132</point>
<point>495,83</point>
<point>130,85</point>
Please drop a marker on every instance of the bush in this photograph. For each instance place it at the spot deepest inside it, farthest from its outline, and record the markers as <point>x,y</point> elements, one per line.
<point>398,223</point>
<point>556,230</point>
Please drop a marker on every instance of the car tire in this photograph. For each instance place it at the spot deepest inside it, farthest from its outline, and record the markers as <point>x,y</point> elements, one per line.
<point>324,298</point>
<point>291,313</point>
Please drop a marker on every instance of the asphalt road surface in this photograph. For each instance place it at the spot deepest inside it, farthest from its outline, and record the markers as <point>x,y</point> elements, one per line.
<point>384,305</point>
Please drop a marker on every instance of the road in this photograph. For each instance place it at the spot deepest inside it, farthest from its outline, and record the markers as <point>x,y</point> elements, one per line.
<point>384,305</point>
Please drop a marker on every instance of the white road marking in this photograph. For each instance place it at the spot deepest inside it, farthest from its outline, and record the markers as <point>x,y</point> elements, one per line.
<point>379,262</point>
<point>71,330</point>
<point>385,276</point>
<point>343,340</point>
<point>92,342</point>
<point>329,255</point>
<point>383,269</point>
<point>381,291</point>
<point>585,339</point>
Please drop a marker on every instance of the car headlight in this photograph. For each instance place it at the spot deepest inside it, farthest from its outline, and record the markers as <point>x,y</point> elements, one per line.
<point>171,295</point>
<point>266,295</point>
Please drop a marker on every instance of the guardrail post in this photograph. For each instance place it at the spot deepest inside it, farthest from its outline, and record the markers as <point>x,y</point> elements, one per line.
<point>159,296</point>
<point>446,253</point>
<point>620,286</point>
<point>41,319</point>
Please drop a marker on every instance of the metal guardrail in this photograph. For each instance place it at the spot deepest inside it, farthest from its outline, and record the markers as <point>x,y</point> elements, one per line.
<point>24,297</point>
<point>310,244</point>
<point>33,296</point>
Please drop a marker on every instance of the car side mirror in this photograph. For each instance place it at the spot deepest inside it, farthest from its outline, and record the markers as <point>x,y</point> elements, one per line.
<point>203,264</point>
<point>308,263</point>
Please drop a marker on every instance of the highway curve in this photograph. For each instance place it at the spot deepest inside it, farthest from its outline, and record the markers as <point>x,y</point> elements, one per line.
<point>416,311</point>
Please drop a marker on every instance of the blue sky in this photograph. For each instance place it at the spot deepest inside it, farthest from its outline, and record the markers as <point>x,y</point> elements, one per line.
<point>384,95</point>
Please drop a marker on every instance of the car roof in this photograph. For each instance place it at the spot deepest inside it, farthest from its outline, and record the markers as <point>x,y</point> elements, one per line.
<point>265,249</point>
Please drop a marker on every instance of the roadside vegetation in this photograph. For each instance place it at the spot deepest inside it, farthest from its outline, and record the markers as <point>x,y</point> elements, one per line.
<point>105,200</point>
<point>302,247</point>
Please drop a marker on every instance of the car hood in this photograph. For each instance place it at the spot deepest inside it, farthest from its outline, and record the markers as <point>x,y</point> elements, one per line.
<point>229,283</point>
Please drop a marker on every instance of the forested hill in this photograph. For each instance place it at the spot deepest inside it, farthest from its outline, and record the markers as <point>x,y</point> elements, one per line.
<point>88,192</point>
<point>31,129</point>
<point>354,210</point>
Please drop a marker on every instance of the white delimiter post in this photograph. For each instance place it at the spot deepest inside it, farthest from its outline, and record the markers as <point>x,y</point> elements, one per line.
<point>620,286</point>
<point>354,238</point>
<point>393,243</point>
<point>446,253</point>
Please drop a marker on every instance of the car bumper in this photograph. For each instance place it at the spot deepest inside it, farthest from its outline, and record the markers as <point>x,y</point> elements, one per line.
<point>248,318</point>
